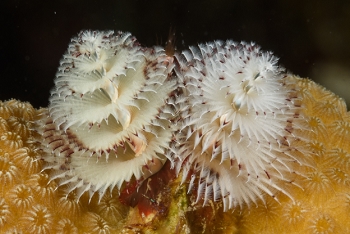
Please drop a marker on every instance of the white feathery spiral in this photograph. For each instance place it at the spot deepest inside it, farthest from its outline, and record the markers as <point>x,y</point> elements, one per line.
<point>239,123</point>
<point>108,118</point>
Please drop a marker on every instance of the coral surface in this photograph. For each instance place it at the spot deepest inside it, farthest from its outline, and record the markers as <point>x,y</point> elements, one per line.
<point>321,203</point>
<point>31,203</point>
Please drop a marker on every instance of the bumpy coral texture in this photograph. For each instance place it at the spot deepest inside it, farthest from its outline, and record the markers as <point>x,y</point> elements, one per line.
<point>322,204</point>
<point>109,118</point>
<point>240,132</point>
<point>30,203</point>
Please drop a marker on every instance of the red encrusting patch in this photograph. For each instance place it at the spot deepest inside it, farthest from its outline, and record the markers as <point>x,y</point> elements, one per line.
<point>152,196</point>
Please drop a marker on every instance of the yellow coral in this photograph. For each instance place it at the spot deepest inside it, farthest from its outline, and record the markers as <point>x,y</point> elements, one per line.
<point>30,203</point>
<point>321,204</point>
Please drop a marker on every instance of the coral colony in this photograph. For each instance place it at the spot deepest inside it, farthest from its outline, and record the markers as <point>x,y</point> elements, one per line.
<point>226,118</point>
<point>214,139</point>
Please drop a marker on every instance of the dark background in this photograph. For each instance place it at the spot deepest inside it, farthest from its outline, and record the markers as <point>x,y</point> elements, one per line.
<point>311,37</point>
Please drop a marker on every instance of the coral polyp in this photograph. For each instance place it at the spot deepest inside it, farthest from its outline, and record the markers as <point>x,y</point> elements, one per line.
<point>240,129</point>
<point>109,117</point>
